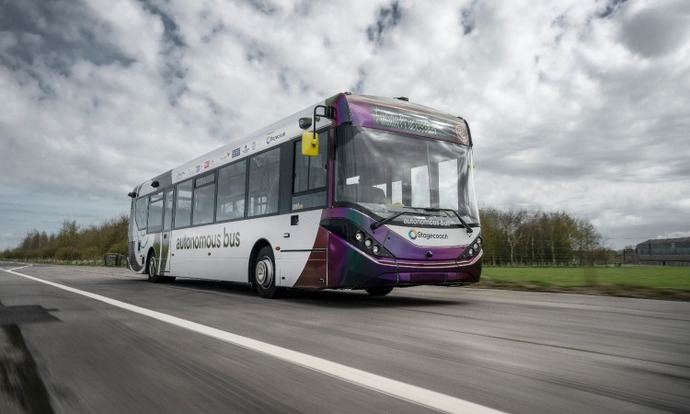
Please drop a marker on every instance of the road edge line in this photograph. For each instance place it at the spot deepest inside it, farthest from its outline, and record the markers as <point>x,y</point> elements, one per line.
<point>388,386</point>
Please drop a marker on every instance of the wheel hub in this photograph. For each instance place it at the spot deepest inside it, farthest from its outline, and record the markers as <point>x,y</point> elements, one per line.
<point>264,272</point>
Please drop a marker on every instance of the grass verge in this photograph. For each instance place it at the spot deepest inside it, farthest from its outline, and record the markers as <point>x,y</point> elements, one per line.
<point>654,282</point>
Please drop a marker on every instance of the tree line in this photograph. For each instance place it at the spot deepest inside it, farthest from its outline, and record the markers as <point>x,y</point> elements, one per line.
<point>521,237</point>
<point>510,238</point>
<point>73,242</point>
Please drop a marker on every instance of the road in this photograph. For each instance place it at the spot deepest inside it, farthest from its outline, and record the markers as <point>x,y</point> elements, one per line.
<point>515,352</point>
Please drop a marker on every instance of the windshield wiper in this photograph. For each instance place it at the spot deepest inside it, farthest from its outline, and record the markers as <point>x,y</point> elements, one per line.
<point>463,222</point>
<point>385,220</point>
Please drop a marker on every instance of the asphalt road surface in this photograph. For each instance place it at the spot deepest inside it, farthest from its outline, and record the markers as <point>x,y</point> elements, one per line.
<point>516,352</point>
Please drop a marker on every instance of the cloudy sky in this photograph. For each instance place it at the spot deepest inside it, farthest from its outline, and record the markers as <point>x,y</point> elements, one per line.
<point>575,105</point>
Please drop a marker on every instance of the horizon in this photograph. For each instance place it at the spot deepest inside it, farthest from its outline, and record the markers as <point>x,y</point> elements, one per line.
<point>579,107</point>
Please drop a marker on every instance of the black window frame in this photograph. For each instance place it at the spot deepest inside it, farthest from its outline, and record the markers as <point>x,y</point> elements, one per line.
<point>213,183</point>
<point>136,212</point>
<point>246,193</point>
<point>191,205</point>
<point>281,151</point>
<point>286,171</point>
<point>154,198</point>
<point>165,192</point>
<point>297,144</point>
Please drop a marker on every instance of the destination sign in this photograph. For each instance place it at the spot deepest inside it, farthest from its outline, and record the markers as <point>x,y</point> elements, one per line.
<point>419,123</point>
<point>428,221</point>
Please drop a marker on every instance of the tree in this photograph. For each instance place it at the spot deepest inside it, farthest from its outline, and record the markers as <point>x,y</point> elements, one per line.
<point>509,223</point>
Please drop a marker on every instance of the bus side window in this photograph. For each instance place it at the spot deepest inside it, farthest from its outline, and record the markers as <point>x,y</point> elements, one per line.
<point>167,216</point>
<point>264,179</point>
<point>231,191</point>
<point>309,183</point>
<point>204,199</point>
<point>183,204</point>
<point>155,220</point>
<point>141,212</point>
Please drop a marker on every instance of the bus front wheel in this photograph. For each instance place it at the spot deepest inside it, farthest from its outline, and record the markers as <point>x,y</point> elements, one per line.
<point>264,274</point>
<point>379,290</point>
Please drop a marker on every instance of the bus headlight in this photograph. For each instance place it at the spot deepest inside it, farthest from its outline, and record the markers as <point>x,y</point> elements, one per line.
<point>355,236</point>
<point>472,250</point>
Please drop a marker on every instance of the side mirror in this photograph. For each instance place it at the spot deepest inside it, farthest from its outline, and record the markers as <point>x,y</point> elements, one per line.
<point>310,144</point>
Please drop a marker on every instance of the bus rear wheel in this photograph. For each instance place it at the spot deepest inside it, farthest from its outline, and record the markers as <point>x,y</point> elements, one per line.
<point>264,274</point>
<point>379,290</point>
<point>151,269</point>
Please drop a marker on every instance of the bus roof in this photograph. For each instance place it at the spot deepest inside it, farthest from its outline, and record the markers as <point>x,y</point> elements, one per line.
<point>394,114</point>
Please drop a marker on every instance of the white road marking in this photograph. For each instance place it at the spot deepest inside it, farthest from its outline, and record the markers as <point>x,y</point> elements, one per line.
<point>17,268</point>
<point>388,386</point>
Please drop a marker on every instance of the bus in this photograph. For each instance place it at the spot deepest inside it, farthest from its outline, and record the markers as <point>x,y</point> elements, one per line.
<point>355,192</point>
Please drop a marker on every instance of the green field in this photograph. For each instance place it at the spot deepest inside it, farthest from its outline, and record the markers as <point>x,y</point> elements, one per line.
<point>649,277</point>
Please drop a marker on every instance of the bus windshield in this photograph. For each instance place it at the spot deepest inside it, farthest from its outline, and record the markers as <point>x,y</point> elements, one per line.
<point>388,173</point>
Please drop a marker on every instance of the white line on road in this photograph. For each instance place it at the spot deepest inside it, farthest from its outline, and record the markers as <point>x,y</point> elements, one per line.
<point>391,387</point>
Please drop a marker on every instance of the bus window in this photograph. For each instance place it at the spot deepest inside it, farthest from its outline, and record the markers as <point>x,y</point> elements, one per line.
<point>310,176</point>
<point>155,221</point>
<point>204,199</point>
<point>301,175</point>
<point>231,191</point>
<point>264,172</point>
<point>183,204</point>
<point>167,217</point>
<point>421,194</point>
<point>396,192</point>
<point>448,184</point>
<point>142,212</point>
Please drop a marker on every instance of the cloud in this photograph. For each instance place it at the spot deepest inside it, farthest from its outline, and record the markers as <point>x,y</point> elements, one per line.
<point>578,106</point>
<point>653,32</point>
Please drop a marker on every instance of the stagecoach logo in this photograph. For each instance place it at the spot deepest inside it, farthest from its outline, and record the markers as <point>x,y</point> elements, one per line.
<point>413,234</point>
<point>209,241</point>
<point>270,138</point>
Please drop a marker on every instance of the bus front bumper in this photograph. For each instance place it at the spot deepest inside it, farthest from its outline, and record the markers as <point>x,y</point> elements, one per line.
<point>357,270</point>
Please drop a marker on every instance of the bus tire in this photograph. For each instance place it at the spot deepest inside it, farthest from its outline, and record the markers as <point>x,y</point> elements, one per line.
<point>264,277</point>
<point>151,264</point>
<point>379,290</point>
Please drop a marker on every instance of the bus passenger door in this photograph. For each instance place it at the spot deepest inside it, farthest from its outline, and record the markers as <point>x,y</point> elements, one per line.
<point>164,252</point>
<point>303,251</point>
